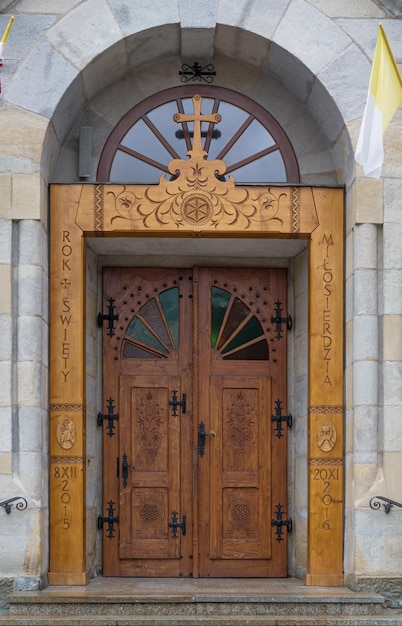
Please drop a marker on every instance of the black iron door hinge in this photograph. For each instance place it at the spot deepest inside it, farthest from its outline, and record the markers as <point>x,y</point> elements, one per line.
<point>111,519</point>
<point>175,524</point>
<point>278,320</point>
<point>110,317</point>
<point>110,416</point>
<point>278,418</point>
<point>279,522</point>
<point>174,402</point>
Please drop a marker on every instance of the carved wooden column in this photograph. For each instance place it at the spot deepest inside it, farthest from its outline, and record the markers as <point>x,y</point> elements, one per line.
<point>325,412</point>
<point>67,389</point>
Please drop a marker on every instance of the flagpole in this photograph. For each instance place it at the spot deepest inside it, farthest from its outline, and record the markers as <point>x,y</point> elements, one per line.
<point>4,39</point>
<point>7,31</point>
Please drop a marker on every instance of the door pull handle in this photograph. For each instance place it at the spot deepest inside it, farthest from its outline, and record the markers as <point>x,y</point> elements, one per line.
<point>202,435</point>
<point>124,470</point>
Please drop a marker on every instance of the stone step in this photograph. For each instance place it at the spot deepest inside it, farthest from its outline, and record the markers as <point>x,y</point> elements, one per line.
<point>197,608</point>
<point>206,602</point>
<point>392,619</point>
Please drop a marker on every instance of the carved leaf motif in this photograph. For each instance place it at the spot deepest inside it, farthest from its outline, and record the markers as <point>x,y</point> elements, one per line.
<point>240,423</point>
<point>149,422</point>
<point>229,205</point>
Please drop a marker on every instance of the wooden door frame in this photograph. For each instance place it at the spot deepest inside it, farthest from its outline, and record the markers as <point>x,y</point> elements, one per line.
<point>78,211</point>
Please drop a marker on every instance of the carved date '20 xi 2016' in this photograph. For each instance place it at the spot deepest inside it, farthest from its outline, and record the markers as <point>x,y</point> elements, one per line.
<point>329,477</point>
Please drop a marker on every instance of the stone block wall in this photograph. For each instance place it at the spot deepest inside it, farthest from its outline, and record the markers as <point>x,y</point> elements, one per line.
<point>299,410</point>
<point>87,62</point>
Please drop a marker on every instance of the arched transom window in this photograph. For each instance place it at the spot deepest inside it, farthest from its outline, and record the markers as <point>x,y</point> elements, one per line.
<point>254,147</point>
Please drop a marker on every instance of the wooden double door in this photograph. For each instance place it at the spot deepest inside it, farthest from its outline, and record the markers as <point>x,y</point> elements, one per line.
<point>194,447</point>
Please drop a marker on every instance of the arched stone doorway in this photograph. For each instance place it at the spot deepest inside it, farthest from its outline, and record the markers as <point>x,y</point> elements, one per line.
<point>321,408</point>
<point>90,68</point>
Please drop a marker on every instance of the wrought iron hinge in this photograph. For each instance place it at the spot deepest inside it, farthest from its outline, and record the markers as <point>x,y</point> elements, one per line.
<point>175,524</point>
<point>111,520</point>
<point>174,402</point>
<point>278,418</point>
<point>20,504</point>
<point>111,317</point>
<point>202,435</point>
<point>279,522</point>
<point>278,320</point>
<point>110,416</point>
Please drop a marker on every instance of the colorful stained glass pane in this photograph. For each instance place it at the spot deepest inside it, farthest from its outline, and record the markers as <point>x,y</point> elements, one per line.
<point>169,300</point>
<point>137,330</point>
<point>235,332</point>
<point>237,315</point>
<point>250,331</point>
<point>256,352</point>
<point>151,314</point>
<point>131,351</point>
<point>220,301</point>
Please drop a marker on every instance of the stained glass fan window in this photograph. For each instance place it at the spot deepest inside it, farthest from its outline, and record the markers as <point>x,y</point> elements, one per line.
<point>154,332</point>
<point>236,333</point>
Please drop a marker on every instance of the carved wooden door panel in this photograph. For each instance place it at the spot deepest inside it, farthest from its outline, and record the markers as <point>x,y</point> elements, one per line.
<point>157,470</point>
<point>242,475</point>
<point>147,370</point>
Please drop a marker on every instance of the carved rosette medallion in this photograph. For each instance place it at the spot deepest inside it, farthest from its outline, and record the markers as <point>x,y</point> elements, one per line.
<point>241,517</point>
<point>326,436</point>
<point>66,433</point>
<point>149,512</point>
<point>197,209</point>
<point>240,514</point>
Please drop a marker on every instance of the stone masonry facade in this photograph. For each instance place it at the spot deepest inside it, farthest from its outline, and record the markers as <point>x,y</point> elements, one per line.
<point>72,63</point>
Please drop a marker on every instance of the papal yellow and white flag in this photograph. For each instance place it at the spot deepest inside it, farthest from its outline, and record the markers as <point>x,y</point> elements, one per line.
<point>383,98</point>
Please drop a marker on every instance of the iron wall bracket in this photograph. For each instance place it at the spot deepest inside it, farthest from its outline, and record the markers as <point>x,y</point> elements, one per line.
<point>197,72</point>
<point>376,501</point>
<point>20,504</point>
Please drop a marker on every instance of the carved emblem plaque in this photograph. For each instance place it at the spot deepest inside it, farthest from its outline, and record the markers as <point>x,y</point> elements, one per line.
<point>66,433</point>
<point>326,436</point>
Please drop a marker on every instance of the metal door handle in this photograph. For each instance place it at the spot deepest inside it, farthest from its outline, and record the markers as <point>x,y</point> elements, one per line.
<point>201,438</point>
<point>124,470</point>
